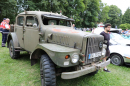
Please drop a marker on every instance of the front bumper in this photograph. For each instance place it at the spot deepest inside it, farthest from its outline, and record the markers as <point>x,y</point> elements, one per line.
<point>87,70</point>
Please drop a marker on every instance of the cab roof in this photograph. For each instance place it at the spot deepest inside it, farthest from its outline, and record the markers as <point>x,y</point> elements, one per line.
<point>41,13</point>
<point>46,14</point>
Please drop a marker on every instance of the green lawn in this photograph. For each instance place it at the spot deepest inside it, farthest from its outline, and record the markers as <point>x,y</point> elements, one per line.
<point>20,73</point>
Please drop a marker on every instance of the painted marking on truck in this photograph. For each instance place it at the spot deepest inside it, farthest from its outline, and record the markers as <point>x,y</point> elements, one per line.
<point>65,31</point>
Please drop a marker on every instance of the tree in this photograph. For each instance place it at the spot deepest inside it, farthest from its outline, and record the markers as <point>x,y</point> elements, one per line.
<point>104,14</point>
<point>126,16</point>
<point>99,13</point>
<point>76,9</point>
<point>90,15</point>
<point>123,26</point>
<point>8,10</point>
<point>84,12</point>
<point>115,16</point>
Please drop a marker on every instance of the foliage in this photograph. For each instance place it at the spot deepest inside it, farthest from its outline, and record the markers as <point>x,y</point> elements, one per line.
<point>84,12</point>
<point>74,10</point>
<point>126,16</point>
<point>115,16</point>
<point>8,9</point>
<point>103,13</point>
<point>90,15</point>
<point>125,26</point>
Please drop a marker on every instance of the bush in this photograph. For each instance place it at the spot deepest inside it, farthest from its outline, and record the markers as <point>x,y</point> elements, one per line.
<point>125,26</point>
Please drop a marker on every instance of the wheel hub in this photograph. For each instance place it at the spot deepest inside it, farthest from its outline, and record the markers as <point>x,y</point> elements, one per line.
<point>116,60</point>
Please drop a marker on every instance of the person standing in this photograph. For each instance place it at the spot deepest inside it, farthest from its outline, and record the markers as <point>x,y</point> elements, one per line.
<point>126,32</point>
<point>93,30</point>
<point>2,26</point>
<point>5,29</point>
<point>106,35</point>
<point>74,26</point>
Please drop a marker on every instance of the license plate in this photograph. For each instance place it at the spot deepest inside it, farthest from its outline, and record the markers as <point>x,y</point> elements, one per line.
<point>93,55</point>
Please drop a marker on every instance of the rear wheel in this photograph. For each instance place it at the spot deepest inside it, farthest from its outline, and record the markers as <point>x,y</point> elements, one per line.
<point>14,54</point>
<point>117,59</point>
<point>47,71</point>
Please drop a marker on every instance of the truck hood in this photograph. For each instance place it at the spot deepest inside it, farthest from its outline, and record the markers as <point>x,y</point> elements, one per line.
<point>65,36</point>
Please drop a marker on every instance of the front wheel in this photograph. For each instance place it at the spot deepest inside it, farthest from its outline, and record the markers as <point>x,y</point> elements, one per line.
<point>14,54</point>
<point>47,71</point>
<point>117,60</point>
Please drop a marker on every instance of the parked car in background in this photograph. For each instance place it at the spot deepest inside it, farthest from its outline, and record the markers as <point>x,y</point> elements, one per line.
<point>119,48</point>
<point>126,36</point>
<point>119,39</point>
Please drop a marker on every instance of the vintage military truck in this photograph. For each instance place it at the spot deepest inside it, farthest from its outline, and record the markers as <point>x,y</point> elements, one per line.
<point>62,50</point>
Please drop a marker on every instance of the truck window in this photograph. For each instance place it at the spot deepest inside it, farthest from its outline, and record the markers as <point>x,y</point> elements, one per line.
<point>31,21</point>
<point>47,21</point>
<point>20,20</point>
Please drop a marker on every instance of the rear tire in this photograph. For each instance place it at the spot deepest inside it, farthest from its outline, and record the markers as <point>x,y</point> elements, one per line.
<point>47,71</point>
<point>13,54</point>
<point>117,59</point>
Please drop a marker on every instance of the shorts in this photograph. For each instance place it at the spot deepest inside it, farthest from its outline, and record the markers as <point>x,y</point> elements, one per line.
<point>107,53</point>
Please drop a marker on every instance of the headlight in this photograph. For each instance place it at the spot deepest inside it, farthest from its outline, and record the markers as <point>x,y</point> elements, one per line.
<point>103,51</point>
<point>75,58</point>
<point>100,45</point>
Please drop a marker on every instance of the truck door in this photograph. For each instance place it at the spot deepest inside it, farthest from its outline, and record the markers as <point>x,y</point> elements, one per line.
<point>31,32</point>
<point>19,26</point>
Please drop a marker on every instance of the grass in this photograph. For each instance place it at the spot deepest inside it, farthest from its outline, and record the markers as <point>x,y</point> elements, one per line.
<point>88,31</point>
<point>19,72</point>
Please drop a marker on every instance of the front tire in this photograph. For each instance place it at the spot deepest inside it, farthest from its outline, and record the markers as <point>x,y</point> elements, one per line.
<point>117,59</point>
<point>13,54</point>
<point>47,71</point>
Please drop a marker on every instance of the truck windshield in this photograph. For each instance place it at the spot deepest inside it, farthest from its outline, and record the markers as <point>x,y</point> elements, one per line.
<point>47,21</point>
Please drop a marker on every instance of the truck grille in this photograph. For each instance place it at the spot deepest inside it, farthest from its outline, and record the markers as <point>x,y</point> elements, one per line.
<point>92,46</point>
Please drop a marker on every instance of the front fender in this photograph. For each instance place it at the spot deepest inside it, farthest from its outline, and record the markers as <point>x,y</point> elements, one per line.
<point>12,36</point>
<point>57,53</point>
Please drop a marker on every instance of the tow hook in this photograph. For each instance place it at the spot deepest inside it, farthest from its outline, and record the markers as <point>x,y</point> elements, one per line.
<point>98,68</point>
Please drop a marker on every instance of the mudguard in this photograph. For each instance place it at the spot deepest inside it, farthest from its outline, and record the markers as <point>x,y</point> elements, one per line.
<point>14,38</point>
<point>57,54</point>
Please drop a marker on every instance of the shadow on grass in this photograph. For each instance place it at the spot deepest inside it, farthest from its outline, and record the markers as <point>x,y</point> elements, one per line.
<point>24,56</point>
<point>80,81</point>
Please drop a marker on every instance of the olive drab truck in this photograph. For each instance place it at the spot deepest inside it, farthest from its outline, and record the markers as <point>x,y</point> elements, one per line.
<point>50,38</point>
